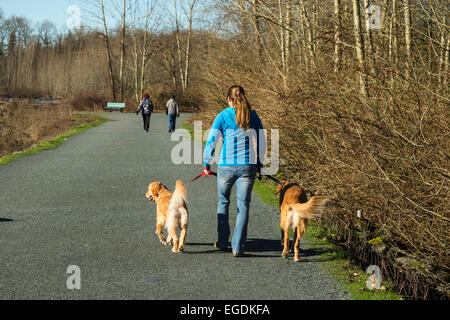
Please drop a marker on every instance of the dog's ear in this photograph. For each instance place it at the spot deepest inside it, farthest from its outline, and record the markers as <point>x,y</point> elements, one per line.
<point>155,187</point>
<point>281,186</point>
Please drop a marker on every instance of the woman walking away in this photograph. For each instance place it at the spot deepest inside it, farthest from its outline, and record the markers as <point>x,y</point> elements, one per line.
<point>146,107</point>
<point>239,126</point>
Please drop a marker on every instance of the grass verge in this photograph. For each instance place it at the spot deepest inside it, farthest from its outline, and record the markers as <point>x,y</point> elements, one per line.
<point>83,121</point>
<point>336,260</point>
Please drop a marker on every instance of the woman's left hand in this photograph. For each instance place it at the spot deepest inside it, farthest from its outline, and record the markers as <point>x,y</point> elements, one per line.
<point>207,171</point>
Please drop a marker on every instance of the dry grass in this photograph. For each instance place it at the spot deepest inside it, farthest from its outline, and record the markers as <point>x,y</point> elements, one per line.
<point>23,125</point>
<point>88,102</point>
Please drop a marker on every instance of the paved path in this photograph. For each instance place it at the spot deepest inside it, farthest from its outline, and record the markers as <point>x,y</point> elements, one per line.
<point>83,204</point>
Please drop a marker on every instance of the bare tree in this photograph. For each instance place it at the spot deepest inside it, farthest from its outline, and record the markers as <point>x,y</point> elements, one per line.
<point>441,19</point>
<point>148,13</point>
<point>282,42</point>
<point>309,34</point>
<point>184,71</point>
<point>108,51</point>
<point>191,4</point>
<point>393,48</point>
<point>122,51</point>
<point>370,57</point>
<point>143,20</point>
<point>408,42</point>
<point>46,32</point>
<point>256,21</point>
<point>446,61</point>
<point>359,48</point>
<point>337,36</point>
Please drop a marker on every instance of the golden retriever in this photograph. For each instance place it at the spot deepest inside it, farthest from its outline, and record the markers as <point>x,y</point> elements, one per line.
<point>171,213</point>
<point>295,211</point>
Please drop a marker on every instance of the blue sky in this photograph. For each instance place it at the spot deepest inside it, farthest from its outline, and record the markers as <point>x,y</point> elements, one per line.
<point>56,11</point>
<point>38,10</point>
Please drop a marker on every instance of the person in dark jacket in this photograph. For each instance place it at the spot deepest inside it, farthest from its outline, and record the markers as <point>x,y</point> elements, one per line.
<point>172,112</point>
<point>146,106</point>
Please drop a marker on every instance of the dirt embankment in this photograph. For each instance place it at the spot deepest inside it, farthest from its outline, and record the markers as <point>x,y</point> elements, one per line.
<point>24,124</point>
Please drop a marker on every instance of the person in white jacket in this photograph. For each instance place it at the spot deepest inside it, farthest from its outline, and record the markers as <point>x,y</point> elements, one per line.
<point>172,111</point>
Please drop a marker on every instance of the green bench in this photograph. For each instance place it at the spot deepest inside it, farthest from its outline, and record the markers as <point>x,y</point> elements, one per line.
<point>115,105</point>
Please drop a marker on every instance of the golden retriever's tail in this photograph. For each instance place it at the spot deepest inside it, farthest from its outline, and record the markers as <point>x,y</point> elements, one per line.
<point>179,195</point>
<point>310,209</point>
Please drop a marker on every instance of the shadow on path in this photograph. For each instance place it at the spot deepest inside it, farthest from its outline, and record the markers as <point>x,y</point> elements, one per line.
<point>256,246</point>
<point>5,220</point>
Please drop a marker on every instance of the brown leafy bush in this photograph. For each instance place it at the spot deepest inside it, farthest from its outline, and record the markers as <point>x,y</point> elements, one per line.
<point>22,124</point>
<point>88,102</point>
<point>387,156</point>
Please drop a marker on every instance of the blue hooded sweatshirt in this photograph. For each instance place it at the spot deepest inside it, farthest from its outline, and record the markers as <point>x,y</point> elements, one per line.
<point>239,147</point>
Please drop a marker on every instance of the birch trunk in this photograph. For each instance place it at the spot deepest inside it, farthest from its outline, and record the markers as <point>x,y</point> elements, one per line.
<point>308,31</point>
<point>302,36</point>
<point>287,37</point>
<point>445,80</point>
<point>393,42</point>
<point>407,16</point>
<point>282,42</point>
<point>337,36</point>
<point>359,45</point>
<point>177,36</point>
<point>188,45</point>
<point>368,41</point>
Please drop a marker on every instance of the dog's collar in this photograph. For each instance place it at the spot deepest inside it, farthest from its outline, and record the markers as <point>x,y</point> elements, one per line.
<point>160,190</point>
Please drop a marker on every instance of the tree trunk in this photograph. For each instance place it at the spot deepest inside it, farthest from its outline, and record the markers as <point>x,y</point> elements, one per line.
<point>287,37</point>
<point>136,67</point>
<point>407,16</point>
<point>108,52</point>
<point>302,36</point>
<point>177,36</point>
<point>314,25</point>
<point>443,52</point>
<point>359,44</point>
<point>447,50</point>
<point>188,45</point>
<point>257,26</point>
<point>144,54</point>
<point>282,42</point>
<point>368,41</point>
<point>337,36</point>
<point>122,52</point>
<point>393,43</point>
<point>309,33</point>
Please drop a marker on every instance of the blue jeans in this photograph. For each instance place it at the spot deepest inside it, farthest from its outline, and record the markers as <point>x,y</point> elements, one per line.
<point>244,176</point>
<point>172,119</point>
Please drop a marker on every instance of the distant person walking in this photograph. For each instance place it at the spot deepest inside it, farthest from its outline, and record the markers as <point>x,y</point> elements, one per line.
<point>146,106</point>
<point>172,112</point>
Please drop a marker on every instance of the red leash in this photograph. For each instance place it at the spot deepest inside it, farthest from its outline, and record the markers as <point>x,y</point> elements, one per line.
<point>203,174</point>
